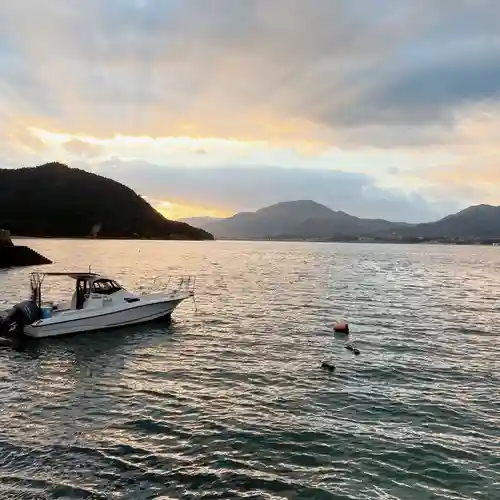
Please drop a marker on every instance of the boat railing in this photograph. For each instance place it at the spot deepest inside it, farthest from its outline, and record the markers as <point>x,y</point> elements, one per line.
<point>181,283</point>
<point>176,284</point>
<point>36,280</point>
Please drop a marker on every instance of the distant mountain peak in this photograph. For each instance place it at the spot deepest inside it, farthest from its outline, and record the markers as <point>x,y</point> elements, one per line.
<point>311,203</point>
<point>477,221</point>
<point>308,208</point>
<point>296,204</point>
<point>478,208</point>
<point>481,210</point>
<point>295,219</point>
<point>308,219</point>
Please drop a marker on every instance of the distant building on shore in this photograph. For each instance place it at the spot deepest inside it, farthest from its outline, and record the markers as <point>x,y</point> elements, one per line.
<point>95,230</point>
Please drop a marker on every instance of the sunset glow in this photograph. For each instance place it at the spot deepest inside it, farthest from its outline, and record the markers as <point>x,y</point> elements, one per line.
<point>239,105</point>
<point>177,211</point>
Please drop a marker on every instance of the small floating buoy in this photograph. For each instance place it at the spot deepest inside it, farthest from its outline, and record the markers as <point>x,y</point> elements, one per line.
<point>327,366</point>
<point>341,327</point>
<point>355,350</point>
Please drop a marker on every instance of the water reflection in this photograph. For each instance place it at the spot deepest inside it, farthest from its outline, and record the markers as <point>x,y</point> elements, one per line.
<point>233,397</point>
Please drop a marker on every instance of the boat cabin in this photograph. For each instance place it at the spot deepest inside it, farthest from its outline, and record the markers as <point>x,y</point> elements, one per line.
<point>89,289</point>
<point>92,290</point>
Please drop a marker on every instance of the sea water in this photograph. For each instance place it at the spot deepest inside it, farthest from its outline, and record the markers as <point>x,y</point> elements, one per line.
<point>231,401</point>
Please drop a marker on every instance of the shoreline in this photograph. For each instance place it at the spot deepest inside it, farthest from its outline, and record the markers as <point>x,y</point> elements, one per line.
<point>125,238</point>
<point>276,240</point>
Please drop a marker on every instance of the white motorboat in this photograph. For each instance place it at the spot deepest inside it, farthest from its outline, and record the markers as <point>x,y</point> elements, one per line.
<point>97,303</point>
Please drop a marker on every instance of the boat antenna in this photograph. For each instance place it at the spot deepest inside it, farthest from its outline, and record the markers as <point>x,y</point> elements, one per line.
<point>193,285</point>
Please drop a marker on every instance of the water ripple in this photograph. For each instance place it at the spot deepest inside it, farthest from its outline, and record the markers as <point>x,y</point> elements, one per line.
<point>230,402</point>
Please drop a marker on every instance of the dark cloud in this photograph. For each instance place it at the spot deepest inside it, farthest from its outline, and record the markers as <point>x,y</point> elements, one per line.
<point>430,90</point>
<point>251,188</point>
<point>347,73</point>
<point>349,64</point>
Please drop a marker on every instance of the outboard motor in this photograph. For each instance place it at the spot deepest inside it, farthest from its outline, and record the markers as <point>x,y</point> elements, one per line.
<point>7,322</point>
<point>22,314</point>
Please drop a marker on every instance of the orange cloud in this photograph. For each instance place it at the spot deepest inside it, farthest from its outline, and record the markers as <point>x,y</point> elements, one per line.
<point>176,211</point>
<point>262,129</point>
<point>471,170</point>
<point>165,81</point>
<point>82,148</point>
<point>200,71</point>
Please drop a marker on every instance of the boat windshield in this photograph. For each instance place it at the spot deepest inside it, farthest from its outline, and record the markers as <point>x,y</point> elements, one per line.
<point>105,286</point>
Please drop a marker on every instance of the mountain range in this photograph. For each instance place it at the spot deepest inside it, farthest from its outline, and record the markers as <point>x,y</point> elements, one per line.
<point>307,219</point>
<point>54,200</point>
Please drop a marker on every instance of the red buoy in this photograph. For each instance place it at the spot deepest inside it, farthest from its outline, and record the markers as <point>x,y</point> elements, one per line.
<point>341,327</point>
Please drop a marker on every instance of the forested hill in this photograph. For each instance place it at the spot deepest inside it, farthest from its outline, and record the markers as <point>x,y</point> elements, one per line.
<point>53,200</point>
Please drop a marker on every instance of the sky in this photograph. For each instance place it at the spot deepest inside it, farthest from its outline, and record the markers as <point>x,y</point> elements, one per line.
<point>210,107</point>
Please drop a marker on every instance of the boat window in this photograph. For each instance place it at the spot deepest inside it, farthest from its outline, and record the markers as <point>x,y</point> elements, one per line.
<point>105,287</point>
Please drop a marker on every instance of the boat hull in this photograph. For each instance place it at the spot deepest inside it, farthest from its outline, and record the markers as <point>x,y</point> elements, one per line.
<point>102,320</point>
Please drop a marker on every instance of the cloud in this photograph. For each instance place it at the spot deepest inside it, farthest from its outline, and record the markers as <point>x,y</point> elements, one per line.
<point>236,68</point>
<point>306,77</point>
<point>232,189</point>
<point>472,173</point>
<point>82,148</point>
